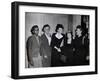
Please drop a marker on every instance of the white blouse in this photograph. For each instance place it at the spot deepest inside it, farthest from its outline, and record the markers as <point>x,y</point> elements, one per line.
<point>59,36</point>
<point>49,38</point>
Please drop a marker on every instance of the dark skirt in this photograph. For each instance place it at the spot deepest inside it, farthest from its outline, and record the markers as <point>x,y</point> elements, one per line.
<point>56,58</point>
<point>79,57</point>
<point>69,56</point>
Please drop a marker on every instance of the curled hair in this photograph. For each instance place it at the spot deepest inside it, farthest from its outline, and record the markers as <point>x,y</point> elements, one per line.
<point>59,26</point>
<point>33,28</point>
<point>46,25</point>
<point>79,27</point>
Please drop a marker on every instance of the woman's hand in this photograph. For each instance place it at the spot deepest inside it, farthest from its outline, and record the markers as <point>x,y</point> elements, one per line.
<point>58,49</point>
<point>45,56</point>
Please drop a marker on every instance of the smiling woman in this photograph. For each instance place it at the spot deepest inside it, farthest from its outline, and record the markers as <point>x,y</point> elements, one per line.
<point>33,47</point>
<point>45,46</point>
<point>39,53</point>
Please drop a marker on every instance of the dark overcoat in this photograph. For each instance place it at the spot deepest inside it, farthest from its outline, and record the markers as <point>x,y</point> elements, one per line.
<point>45,51</point>
<point>33,48</point>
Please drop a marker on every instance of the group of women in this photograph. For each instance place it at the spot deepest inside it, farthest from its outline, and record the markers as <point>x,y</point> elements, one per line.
<point>58,49</point>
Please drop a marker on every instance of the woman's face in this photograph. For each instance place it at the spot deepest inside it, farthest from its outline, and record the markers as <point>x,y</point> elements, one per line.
<point>60,30</point>
<point>69,35</point>
<point>47,30</point>
<point>36,31</point>
<point>78,32</point>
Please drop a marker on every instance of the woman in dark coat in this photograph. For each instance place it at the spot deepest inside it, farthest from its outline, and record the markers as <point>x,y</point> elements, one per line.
<point>57,44</point>
<point>45,46</point>
<point>79,54</point>
<point>33,48</point>
<point>68,49</point>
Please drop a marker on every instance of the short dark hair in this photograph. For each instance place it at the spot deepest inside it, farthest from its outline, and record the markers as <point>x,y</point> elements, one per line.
<point>79,27</point>
<point>59,26</point>
<point>33,28</point>
<point>46,25</point>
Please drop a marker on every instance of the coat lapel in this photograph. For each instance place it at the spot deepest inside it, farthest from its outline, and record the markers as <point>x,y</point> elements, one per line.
<point>46,40</point>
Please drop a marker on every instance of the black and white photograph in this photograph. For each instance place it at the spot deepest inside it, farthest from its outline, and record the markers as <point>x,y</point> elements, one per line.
<point>50,40</point>
<point>54,40</point>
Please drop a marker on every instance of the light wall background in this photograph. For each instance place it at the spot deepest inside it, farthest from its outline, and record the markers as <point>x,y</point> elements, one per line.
<point>68,21</point>
<point>5,40</point>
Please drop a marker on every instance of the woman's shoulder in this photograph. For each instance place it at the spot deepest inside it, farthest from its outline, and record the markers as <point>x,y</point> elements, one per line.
<point>29,38</point>
<point>53,35</point>
<point>42,35</point>
<point>63,35</point>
